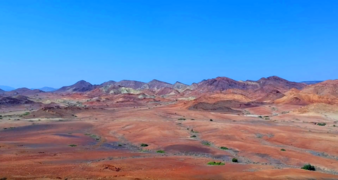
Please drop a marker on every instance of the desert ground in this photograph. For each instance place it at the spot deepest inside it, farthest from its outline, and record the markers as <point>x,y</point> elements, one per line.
<point>119,137</point>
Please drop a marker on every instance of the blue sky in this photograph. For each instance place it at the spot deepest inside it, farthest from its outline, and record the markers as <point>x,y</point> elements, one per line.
<point>58,42</point>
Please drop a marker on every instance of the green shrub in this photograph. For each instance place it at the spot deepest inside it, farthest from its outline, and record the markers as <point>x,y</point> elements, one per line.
<point>309,167</point>
<point>211,120</point>
<point>213,163</point>
<point>193,136</point>
<point>72,145</point>
<point>25,114</point>
<point>206,143</point>
<point>321,124</point>
<point>235,160</point>
<point>224,148</point>
<point>144,145</point>
<point>192,119</point>
<point>282,149</point>
<point>181,119</point>
<point>160,151</point>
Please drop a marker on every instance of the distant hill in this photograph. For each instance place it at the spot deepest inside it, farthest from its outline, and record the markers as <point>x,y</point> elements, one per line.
<point>47,89</point>
<point>81,86</point>
<point>311,82</point>
<point>6,88</point>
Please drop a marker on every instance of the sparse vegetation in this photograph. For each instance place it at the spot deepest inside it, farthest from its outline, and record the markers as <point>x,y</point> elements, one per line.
<point>206,143</point>
<point>193,136</point>
<point>160,151</point>
<point>181,119</point>
<point>25,114</point>
<point>192,119</point>
<point>224,148</point>
<point>192,130</point>
<point>309,167</point>
<point>211,120</point>
<point>96,137</point>
<point>235,160</point>
<point>213,163</point>
<point>144,145</point>
<point>73,145</point>
<point>282,149</point>
<point>321,124</point>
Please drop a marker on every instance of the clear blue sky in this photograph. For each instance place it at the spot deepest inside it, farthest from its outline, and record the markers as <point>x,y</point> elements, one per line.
<point>58,42</point>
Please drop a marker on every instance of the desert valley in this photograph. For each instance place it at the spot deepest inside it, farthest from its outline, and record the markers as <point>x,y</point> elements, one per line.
<point>216,129</point>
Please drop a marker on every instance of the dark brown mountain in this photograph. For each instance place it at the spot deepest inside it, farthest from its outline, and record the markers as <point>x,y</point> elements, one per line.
<point>81,86</point>
<point>156,84</point>
<point>220,106</point>
<point>180,86</point>
<point>222,84</point>
<point>16,100</point>
<point>131,84</point>
<point>280,82</point>
<point>263,85</point>
<point>108,83</point>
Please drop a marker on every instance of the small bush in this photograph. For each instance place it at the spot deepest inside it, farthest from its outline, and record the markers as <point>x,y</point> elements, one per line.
<point>224,148</point>
<point>192,130</point>
<point>25,114</point>
<point>192,119</point>
<point>235,160</point>
<point>321,124</point>
<point>144,145</point>
<point>72,145</point>
<point>309,167</point>
<point>211,120</point>
<point>160,151</point>
<point>181,119</point>
<point>213,163</point>
<point>282,149</point>
<point>206,143</point>
<point>193,136</point>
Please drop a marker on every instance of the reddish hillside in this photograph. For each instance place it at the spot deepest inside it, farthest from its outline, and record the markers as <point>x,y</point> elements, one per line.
<point>324,92</point>
<point>271,96</point>
<point>264,85</point>
<point>326,88</point>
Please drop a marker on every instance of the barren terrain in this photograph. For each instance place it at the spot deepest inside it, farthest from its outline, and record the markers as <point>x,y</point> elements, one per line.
<point>143,135</point>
